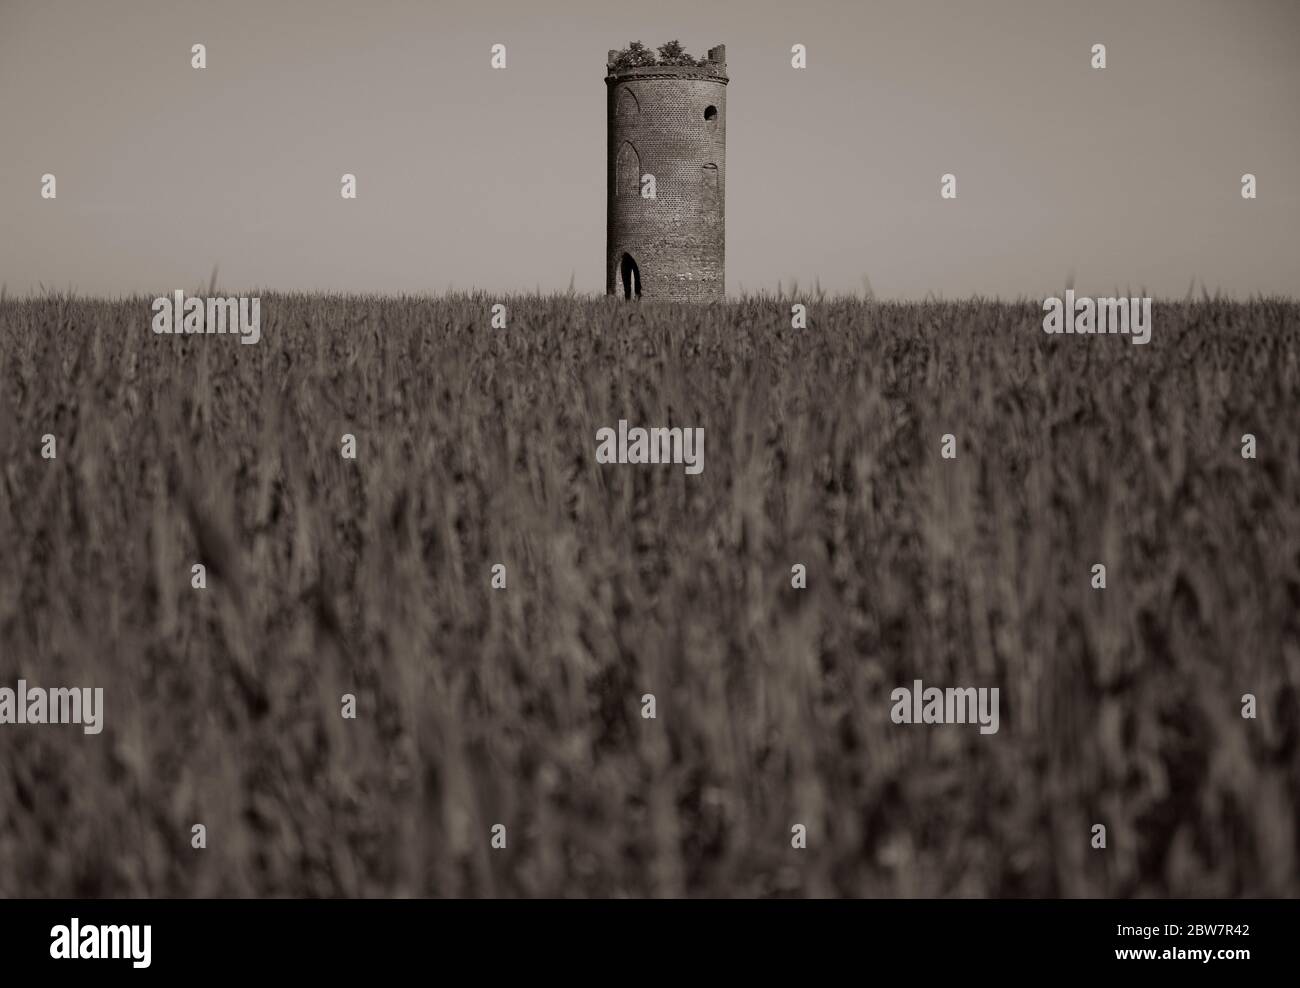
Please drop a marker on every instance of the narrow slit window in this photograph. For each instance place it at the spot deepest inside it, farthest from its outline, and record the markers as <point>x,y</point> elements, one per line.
<point>709,178</point>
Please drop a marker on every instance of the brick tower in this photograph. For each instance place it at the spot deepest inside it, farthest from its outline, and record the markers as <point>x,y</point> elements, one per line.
<point>669,122</point>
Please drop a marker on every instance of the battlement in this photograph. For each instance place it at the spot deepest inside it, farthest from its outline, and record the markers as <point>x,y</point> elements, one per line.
<point>714,68</point>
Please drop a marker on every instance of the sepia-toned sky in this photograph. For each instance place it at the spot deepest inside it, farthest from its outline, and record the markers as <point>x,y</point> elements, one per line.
<point>470,177</point>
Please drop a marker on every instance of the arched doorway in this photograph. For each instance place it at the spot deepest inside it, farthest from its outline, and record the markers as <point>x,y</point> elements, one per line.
<point>631,276</point>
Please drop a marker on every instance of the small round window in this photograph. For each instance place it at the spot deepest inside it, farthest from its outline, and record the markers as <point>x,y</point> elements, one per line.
<point>711,114</point>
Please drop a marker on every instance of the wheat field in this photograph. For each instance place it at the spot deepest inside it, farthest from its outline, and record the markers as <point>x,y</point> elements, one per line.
<point>523,706</point>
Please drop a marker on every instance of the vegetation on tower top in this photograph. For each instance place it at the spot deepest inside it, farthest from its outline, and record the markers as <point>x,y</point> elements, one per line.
<point>637,55</point>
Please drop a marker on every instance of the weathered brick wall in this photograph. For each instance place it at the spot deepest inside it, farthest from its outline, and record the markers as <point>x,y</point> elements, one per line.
<point>678,238</point>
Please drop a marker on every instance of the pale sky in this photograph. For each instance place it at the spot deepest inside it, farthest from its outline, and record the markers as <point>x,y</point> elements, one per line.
<point>495,179</point>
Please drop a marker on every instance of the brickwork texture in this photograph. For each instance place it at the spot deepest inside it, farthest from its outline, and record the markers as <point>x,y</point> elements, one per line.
<point>669,122</point>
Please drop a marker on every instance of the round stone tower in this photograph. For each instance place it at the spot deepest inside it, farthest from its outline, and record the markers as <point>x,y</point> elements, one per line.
<point>667,165</point>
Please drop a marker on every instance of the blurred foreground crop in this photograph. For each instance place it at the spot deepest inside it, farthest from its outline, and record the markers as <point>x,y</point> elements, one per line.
<point>523,706</point>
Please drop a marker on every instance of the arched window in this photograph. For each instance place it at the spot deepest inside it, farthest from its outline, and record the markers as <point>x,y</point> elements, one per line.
<point>711,115</point>
<point>709,177</point>
<point>627,171</point>
<point>627,103</point>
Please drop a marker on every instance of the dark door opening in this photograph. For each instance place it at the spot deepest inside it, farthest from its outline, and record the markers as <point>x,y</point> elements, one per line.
<point>631,276</point>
